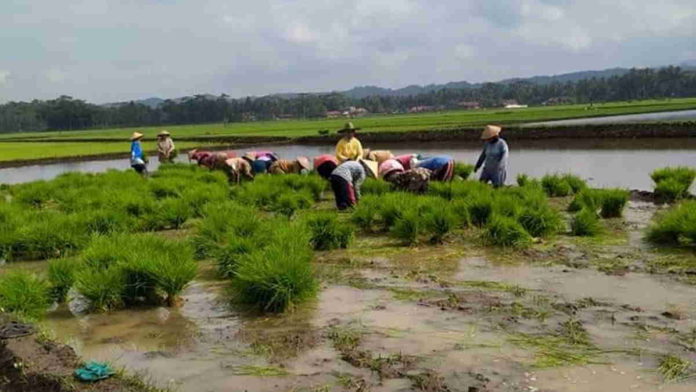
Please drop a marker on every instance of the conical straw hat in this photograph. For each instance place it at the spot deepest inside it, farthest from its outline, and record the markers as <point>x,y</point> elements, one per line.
<point>371,167</point>
<point>490,131</point>
<point>136,136</point>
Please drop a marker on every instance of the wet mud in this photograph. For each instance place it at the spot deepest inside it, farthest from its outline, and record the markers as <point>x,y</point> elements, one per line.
<point>568,314</point>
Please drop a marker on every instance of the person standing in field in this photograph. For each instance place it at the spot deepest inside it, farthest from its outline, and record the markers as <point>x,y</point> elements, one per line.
<point>138,160</point>
<point>349,147</point>
<point>346,181</point>
<point>165,147</point>
<point>494,157</point>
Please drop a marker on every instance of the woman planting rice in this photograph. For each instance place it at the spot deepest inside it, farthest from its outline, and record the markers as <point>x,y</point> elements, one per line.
<point>325,164</point>
<point>235,168</point>
<point>300,165</point>
<point>493,157</point>
<point>138,160</point>
<point>378,155</point>
<point>442,167</point>
<point>165,147</point>
<point>414,180</point>
<point>347,179</point>
<point>260,161</point>
<point>349,147</point>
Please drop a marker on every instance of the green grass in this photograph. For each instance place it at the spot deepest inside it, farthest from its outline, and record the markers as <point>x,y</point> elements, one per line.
<point>675,226</point>
<point>327,232</point>
<point>279,276</point>
<point>673,183</point>
<point>297,128</point>
<point>24,294</point>
<point>585,223</point>
<point>12,151</point>
<point>674,368</point>
<point>61,275</point>
<point>506,231</point>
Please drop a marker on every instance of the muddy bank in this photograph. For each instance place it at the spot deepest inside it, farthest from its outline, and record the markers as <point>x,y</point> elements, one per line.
<point>598,131</point>
<point>32,363</point>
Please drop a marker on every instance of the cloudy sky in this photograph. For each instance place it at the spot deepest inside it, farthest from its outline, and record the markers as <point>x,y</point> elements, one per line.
<point>112,50</point>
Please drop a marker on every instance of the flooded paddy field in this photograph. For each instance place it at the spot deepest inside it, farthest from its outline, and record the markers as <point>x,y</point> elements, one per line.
<point>566,314</point>
<point>604,163</point>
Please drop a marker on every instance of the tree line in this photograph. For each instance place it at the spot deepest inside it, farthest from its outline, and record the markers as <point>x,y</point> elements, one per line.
<point>66,113</point>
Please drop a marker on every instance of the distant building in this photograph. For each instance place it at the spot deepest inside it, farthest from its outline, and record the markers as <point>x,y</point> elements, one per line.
<point>420,109</point>
<point>353,111</point>
<point>469,105</point>
<point>558,101</point>
<point>515,106</point>
<point>334,114</point>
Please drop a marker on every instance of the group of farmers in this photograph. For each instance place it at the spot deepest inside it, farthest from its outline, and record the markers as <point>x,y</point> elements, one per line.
<point>347,169</point>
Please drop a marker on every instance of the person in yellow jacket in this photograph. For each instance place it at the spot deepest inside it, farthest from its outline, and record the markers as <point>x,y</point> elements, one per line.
<point>349,147</point>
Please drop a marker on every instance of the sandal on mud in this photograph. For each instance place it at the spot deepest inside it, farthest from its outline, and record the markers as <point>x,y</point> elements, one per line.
<point>94,371</point>
<point>15,329</point>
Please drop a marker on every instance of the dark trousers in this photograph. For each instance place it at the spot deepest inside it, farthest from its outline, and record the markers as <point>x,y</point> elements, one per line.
<point>140,168</point>
<point>343,192</point>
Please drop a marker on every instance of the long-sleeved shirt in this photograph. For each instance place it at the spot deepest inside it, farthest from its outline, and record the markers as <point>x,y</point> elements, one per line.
<point>494,159</point>
<point>353,173</point>
<point>137,156</point>
<point>165,147</point>
<point>434,163</point>
<point>349,149</point>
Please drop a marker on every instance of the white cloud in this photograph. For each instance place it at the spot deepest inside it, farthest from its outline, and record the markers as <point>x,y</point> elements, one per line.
<point>106,50</point>
<point>4,75</point>
<point>54,75</point>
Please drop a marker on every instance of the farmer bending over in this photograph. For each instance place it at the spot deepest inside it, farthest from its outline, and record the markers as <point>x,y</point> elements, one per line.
<point>347,179</point>
<point>414,180</point>
<point>236,168</point>
<point>300,165</point>
<point>349,147</point>
<point>494,157</point>
<point>378,155</point>
<point>442,167</point>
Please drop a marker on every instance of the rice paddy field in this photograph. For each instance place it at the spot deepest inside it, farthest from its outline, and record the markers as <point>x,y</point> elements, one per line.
<point>547,285</point>
<point>377,123</point>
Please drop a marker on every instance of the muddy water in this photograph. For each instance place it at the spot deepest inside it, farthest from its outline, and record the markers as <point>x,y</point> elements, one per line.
<point>681,115</point>
<point>617,163</point>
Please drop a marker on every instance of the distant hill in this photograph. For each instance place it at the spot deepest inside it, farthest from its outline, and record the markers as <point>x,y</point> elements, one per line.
<point>367,91</point>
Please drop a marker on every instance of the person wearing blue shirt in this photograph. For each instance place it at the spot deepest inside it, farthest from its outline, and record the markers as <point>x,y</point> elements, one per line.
<point>138,161</point>
<point>494,157</point>
<point>441,166</point>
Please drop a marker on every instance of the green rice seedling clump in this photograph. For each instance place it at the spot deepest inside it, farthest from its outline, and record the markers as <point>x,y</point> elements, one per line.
<point>287,204</point>
<point>480,210</point>
<point>585,223</point>
<point>366,214</point>
<point>133,269</point>
<point>540,220</point>
<point>61,276</point>
<point>439,222</point>
<point>674,368</point>
<point>613,202</point>
<point>506,231</point>
<point>327,233</point>
<point>463,170</point>
<point>576,183</point>
<point>673,183</point>
<point>556,186</point>
<point>278,276</point>
<point>373,186</point>
<point>675,226</point>
<point>24,294</point>
<point>408,227</point>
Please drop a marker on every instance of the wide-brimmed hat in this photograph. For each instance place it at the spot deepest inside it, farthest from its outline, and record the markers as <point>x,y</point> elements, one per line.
<point>490,131</point>
<point>136,136</point>
<point>366,153</point>
<point>348,127</point>
<point>164,133</point>
<point>371,167</point>
<point>304,163</point>
<point>389,166</point>
<point>249,156</point>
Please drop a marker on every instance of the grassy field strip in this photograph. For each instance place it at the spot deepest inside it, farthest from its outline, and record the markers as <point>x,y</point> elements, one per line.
<point>404,122</point>
<point>10,151</point>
